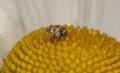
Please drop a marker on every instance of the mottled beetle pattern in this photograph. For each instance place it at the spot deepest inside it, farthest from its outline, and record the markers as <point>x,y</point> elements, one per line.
<point>56,31</point>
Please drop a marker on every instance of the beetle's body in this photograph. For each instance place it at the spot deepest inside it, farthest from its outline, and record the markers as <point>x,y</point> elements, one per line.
<point>57,31</point>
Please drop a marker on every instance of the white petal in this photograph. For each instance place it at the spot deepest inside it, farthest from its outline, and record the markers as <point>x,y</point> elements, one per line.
<point>1,62</point>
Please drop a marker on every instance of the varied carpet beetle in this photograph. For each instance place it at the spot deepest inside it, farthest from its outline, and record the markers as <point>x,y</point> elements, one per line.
<point>57,31</point>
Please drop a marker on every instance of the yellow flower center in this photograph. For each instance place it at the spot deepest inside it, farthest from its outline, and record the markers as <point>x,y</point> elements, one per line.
<point>82,51</point>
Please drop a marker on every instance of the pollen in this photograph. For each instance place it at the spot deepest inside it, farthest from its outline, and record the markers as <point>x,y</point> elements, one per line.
<point>83,50</point>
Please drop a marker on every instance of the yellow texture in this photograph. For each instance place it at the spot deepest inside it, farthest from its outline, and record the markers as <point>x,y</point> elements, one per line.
<point>82,51</point>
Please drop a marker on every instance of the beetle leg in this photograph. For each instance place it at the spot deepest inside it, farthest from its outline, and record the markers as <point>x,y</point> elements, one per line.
<point>64,36</point>
<point>59,38</point>
<point>52,38</point>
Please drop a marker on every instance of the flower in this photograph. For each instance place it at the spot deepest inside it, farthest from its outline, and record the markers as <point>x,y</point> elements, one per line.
<point>82,51</point>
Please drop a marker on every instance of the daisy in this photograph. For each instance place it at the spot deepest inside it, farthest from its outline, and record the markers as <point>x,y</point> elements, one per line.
<point>25,47</point>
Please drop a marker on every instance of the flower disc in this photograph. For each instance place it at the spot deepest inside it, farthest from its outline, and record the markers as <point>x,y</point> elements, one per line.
<point>83,50</point>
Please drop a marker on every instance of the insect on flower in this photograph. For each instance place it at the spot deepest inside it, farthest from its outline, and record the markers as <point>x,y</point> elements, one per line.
<point>56,31</point>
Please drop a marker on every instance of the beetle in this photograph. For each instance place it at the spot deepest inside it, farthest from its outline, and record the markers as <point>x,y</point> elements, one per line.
<point>57,31</point>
